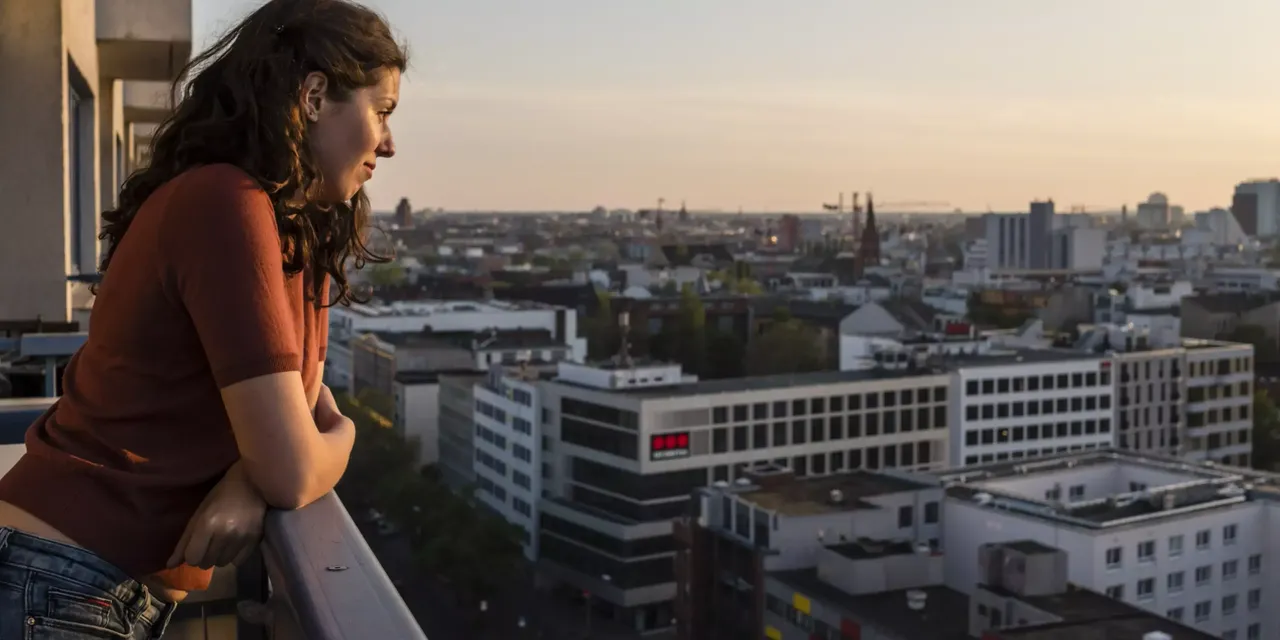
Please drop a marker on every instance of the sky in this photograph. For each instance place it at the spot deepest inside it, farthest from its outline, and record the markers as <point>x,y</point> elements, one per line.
<point>771,106</point>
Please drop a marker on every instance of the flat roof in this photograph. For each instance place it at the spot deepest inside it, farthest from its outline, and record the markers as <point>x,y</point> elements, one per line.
<point>1030,547</point>
<point>762,383</point>
<point>1132,625</point>
<point>812,496</point>
<point>944,617</point>
<point>1019,356</point>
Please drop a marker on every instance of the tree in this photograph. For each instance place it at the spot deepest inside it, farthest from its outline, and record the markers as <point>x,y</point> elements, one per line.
<point>785,347</point>
<point>725,355</point>
<point>602,328</point>
<point>387,274</point>
<point>1266,432</point>
<point>691,334</point>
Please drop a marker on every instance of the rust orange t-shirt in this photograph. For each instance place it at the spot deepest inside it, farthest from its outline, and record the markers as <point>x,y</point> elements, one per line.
<point>195,300</point>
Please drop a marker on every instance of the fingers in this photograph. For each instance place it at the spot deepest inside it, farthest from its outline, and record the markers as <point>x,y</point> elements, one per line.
<point>198,545</point>
<point>180,551</point>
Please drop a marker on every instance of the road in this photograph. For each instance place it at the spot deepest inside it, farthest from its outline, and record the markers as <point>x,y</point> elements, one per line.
<point>439,613</point>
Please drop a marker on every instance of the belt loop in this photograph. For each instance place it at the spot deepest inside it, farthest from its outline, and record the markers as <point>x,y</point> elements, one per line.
<point>162,621</point>
<point>5,532</point>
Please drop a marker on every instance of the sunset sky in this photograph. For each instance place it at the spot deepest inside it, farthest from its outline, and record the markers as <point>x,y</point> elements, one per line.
<point>777,106</point>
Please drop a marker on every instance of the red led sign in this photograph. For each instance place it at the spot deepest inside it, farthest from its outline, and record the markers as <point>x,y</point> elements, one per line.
<point>666,446</point>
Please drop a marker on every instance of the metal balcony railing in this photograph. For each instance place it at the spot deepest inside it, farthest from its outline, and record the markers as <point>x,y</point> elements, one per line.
<point>320,581</point>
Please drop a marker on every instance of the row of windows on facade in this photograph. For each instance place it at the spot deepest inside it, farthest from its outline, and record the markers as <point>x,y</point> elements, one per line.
<point>1030,453</point>
<point>817,629</point>
<point>1132,395</point>
<point>1142,417</point>
<point>1218,392</point>
<point>1048,382</point>
<point>1202,610</point>
<point>1220,367</point>
<point>828,404</point>
<point>825,429</point>
<point>1217,416</point>
<point>907,454</point>
<point>1003,435</point>
<point>499,441</point>
<point>490,411</point>
<point>1203,539</point>
<point>1019,409</point>
<point>1145,369</point>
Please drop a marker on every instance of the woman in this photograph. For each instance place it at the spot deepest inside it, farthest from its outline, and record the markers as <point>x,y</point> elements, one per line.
<point>196,402</point>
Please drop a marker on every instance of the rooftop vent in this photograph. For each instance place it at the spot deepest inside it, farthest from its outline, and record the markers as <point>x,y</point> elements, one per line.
<point>720,484</point>
<point>1231,491</point>
<point>916,600</point>
<point>836,496</point>
<point>743,482</point>
<point>1156,635</point>
<point>982,498</point>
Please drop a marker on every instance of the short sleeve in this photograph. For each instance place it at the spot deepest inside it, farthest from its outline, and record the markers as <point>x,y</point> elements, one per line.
<point>222,254</point>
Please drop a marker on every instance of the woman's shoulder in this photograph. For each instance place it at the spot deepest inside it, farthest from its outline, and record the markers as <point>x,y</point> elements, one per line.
<point>213,179</point>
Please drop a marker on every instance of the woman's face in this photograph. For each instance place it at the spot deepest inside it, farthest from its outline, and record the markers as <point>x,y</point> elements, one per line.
<point>347,137</point>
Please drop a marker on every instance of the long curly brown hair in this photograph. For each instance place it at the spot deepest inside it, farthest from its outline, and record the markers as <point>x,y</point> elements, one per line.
<point>239,104</point>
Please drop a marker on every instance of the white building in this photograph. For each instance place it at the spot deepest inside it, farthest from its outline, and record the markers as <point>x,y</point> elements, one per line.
<point>1032,403</point>
<point>623,448</point>
<point>1185,541</point>
<point>508,452</point>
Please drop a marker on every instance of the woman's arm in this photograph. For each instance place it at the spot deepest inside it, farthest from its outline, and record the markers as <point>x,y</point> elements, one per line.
<point>222,259</point>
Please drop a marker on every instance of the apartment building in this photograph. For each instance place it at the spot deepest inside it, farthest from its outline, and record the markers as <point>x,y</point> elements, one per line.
<point>508,450</point>
<point>857,555</point>
<point>1187,541</point>
<point>1031,403</point>
<point>622,448</point>
<point>79,74</point>
<point>1219,406</point>
<point>369,344</point>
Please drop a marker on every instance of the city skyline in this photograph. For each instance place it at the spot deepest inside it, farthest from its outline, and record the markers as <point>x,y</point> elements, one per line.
<point>568,104</point>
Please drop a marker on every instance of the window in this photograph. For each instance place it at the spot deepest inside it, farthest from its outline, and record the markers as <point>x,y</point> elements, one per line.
<point>930,512</point>
<point>1116,592</point>
<point>1203,575</point>
<point>1254,599</point>
<point>1146,589</point>
<point>1253,632</point>
<point>1229,534</point>
<point>1114,557</point>
<point>1147,551</point>
<point>1175,545</point>
<point>80,113</point>
<point>1255,564</point>
<point>1174,614</point>
<point>1202,610</point>
<point>905,516</point>
<point>1202,540</point>
<point>1229,605</point>
<point>1229,569</point>
<point>1173,583</point>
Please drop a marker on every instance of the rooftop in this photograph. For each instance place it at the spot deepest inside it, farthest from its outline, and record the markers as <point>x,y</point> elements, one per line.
<point>812,496</point>
<point>427,308</point>
<point>943,617</point>
<point>1131,487</point>
<point>1089,615</point>
<point>762,383</point>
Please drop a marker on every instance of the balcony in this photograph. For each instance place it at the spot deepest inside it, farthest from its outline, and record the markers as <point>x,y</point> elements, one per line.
<point>143,39</point>
<point>316,578</point>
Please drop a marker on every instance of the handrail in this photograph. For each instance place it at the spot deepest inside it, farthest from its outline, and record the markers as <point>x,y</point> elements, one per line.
<point>321,567</point>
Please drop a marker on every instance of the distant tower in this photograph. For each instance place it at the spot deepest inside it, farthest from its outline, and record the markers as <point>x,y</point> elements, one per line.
<point>869,243</point>
<point>404,214</point>
<point>856,210</point>
<point>683,216</point>
<point>1124,213</point>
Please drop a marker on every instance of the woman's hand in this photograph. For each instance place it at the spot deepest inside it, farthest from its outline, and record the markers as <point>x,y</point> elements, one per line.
<point>227,526</point>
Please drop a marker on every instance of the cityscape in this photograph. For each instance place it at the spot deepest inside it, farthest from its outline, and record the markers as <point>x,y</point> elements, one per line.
<point>883,415</point>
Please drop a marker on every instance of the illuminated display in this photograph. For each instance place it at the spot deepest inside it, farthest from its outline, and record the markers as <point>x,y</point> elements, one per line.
<point>669,445</point>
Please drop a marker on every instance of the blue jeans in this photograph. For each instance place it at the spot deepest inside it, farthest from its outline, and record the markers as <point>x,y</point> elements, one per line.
<point>53,591</point>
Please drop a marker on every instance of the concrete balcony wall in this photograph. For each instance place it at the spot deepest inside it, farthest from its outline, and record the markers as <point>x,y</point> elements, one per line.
<point>143,39</point>
<point>47,47</point>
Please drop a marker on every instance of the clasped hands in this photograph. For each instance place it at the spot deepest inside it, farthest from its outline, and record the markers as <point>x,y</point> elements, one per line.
<point>227,526</point>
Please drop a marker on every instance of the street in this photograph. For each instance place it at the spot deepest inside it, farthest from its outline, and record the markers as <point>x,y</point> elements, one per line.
<point>438,611</point>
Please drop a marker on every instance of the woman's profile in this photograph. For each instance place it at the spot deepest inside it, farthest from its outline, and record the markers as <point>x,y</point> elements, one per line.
<point>197,403</point>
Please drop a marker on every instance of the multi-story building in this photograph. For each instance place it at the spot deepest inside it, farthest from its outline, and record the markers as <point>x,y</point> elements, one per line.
<point>1183,540</point>
<point>1020,240</point>
<point>622,447</point>
<point>431,321</point>
<point>858,555</point>
<point>456,431</point>
<point>1256,205</point>
<point>1219,402</point>
<point>1031,403</point>
<point>508,450</point>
